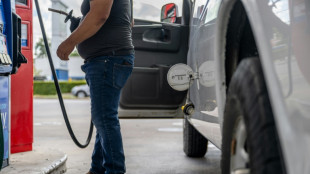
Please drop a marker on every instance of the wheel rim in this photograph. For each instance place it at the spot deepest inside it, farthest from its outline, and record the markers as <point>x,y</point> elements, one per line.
<point>81,95</point>
<point>239,157</point>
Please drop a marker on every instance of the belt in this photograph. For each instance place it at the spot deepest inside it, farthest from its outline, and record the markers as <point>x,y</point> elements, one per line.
<point>122,52</point>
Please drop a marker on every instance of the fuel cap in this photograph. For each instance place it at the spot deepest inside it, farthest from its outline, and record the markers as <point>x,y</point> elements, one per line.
<point>180,77</point>
<point>207,74</point>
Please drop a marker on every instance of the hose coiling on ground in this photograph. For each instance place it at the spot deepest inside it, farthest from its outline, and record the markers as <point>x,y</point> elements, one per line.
<point>63,109</point>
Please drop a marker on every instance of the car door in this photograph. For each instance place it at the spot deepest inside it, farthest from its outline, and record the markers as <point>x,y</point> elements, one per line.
<point>158,46</point>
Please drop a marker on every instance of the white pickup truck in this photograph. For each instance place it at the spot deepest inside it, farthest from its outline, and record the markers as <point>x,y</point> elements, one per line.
<point>248,79</point>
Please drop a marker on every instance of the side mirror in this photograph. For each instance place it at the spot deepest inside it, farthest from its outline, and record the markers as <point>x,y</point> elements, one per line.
<point>169,13</point>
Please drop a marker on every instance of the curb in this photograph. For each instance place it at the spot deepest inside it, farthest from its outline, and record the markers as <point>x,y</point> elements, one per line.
<point>58,167</point>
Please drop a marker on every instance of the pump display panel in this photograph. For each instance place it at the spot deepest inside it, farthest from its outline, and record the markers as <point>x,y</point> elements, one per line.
<point>24,39</point>
<point>21,2</point>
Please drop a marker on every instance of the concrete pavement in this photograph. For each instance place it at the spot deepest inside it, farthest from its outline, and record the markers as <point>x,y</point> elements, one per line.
<point>152,146</point>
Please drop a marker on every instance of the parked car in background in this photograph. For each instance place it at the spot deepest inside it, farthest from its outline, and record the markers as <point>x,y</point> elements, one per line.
<point>80,91</point>
<point>39,78</point>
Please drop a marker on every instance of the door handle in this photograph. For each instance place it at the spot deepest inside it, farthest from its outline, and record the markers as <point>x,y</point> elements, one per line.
<point>164,35</point>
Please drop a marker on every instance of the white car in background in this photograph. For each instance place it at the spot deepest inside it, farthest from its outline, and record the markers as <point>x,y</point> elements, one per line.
<point>80,91</point>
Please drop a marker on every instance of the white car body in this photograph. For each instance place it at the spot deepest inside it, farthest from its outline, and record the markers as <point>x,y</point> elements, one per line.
<point>287,76</point>
<point>80,91</point>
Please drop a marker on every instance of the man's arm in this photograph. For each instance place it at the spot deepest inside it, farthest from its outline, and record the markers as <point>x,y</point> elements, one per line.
<point>96,17</point>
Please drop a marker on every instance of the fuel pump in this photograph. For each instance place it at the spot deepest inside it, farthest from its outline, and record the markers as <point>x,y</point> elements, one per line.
<point>10,60</point>
<point>5,70</point>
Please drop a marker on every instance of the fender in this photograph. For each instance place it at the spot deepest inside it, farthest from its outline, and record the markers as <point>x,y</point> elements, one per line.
<point>254,10</point>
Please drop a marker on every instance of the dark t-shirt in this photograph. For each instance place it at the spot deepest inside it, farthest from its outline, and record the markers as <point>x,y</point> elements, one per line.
<point>114,35</point>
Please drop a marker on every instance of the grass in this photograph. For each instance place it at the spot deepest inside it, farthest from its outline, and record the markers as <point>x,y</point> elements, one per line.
<point>65,96</point>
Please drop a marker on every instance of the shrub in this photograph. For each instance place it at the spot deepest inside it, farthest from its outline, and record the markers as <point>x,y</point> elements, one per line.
<point>48,88</point>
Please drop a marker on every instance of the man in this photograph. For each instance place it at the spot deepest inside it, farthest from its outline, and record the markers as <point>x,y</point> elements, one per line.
<point>103,39</point>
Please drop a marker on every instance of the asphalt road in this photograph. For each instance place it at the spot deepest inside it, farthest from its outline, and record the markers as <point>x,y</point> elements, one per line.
<point>152,146</point>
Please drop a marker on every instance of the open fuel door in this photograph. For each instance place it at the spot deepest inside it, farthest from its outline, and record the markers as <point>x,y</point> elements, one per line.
<point>158,46</point>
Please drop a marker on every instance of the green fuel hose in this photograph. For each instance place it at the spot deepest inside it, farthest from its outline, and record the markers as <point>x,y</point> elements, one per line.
<point>63,109</point>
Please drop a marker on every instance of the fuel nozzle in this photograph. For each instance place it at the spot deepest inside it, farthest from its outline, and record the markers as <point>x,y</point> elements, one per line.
<point>75,21</point>
<point>68,15</point>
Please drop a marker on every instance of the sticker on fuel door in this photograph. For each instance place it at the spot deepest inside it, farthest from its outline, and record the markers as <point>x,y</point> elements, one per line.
<point>179,77</point>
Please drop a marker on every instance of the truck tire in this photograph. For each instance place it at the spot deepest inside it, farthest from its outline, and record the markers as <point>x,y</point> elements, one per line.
<point>194,144</point>
<point>250,141</point>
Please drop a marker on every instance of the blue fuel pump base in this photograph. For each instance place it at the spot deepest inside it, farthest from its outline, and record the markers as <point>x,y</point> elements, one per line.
<point>63,109</point>
<point>1,144</point>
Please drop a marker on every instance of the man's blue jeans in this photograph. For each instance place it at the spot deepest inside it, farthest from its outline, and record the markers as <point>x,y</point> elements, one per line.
<point>106,76</point>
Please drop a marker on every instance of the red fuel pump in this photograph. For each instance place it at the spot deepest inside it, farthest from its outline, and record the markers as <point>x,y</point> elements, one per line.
<point>22,86</point>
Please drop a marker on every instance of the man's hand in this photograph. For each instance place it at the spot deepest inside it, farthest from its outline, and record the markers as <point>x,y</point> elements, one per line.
<point>96,17</point>
<point>65,49</point>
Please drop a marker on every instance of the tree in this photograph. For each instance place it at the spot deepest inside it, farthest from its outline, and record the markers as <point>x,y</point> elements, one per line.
<point>39,48</point>
<point>36,72</point>
<point>74,54</point>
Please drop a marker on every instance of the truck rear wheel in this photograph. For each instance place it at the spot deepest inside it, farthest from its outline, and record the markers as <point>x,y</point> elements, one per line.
<point>250,141</point>
<point>194,144</point>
